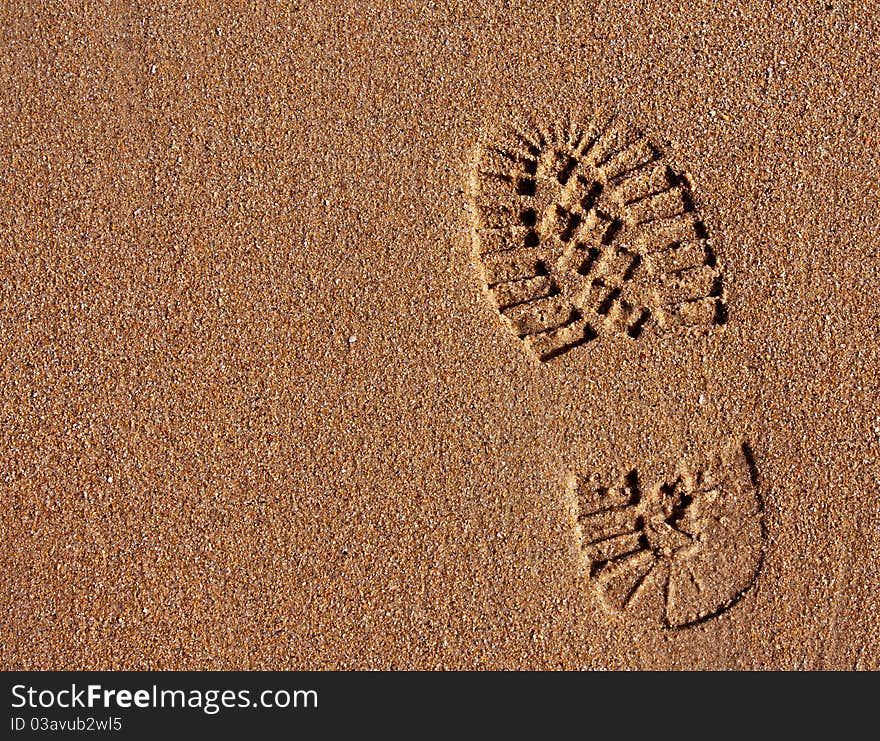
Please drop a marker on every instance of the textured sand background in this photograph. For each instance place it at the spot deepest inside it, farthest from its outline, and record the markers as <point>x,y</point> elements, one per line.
<point>256,410</point>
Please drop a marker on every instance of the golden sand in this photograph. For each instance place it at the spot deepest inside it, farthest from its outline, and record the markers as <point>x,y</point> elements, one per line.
<point>264,405</point>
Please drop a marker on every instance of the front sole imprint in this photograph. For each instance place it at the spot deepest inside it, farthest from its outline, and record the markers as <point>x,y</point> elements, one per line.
<point>580,231</point>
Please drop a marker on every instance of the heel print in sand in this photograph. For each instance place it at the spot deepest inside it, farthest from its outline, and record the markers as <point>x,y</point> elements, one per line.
<point>672,552</point>
<point>581,231</point>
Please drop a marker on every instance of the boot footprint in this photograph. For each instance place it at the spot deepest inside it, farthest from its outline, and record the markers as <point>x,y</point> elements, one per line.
<point>582,231</point>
